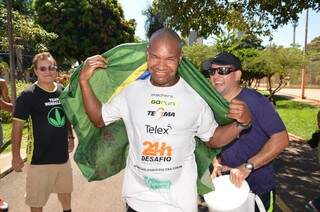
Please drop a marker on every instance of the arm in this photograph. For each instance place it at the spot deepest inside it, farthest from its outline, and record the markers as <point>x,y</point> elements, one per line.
<point>70,137</point>
<point>271,149</point>
<point>16,136</point>
<point>91,104</point>
<point>224,135</point>
<point>5,102</point>
<point>274,146</point>
<point>239,111</point>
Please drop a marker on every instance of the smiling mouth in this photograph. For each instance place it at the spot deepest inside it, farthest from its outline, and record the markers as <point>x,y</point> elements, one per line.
<point>218,83</point>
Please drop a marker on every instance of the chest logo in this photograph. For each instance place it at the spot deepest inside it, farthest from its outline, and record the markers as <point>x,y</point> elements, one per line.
<point>56,117</point>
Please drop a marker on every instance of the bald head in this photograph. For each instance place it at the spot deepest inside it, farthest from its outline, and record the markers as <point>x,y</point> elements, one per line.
<point>166,35</point>
<point>163,57</point>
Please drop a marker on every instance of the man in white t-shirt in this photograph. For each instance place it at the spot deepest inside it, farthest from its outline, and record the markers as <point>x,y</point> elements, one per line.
<point>162,116</point>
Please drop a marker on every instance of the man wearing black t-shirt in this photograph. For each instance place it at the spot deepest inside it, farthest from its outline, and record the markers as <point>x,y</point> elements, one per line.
<point>48,169</point>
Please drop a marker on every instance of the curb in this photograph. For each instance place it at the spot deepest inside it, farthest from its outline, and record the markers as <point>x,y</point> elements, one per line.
<point>295,137</point>
<point>6,167</point>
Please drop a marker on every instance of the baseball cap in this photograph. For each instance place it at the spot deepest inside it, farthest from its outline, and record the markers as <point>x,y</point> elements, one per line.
<point>223,58</point>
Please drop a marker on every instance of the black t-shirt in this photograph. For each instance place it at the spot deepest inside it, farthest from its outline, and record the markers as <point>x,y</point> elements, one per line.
<point>49,123</point>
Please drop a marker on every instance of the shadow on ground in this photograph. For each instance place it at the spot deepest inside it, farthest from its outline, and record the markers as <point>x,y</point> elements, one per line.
<point>298,175</point>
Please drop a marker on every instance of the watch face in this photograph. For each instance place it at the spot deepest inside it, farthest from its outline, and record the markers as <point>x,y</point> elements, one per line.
<point>249,166</point>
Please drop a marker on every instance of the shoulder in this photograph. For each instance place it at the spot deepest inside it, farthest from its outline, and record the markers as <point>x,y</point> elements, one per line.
<point>27,95</point>
<point>251,96</point>
<point>31,89</point>
<point>135,85</point>
<point>60,87</point>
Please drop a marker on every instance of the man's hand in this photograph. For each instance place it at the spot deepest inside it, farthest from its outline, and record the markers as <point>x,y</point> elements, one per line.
<point>238,175</point>
<point>239,111</point>
<point>218,168</point>
<point>90,65</point>
<point>17,163</point>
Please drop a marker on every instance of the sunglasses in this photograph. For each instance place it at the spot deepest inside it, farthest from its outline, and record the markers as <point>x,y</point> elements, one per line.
<point>220,71</point>
<point>50,68</point>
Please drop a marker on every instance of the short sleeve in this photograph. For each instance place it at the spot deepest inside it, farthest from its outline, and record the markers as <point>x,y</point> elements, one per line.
<point>112,110</point>
<point>22,107</point>
<point>206,123</point>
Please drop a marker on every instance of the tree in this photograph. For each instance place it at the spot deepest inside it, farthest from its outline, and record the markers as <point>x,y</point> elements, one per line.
<point>211,17</point>
<point>276,63</point>
<point>84,27</point>
<point>198,53</point>
<point>154,21</point>
<point>29,35</point>
<point>313,55</point>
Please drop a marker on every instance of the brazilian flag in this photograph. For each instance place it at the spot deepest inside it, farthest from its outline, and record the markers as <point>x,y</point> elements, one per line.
<point>102,152</point>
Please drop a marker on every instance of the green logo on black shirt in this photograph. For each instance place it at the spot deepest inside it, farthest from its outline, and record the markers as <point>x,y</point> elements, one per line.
<point>56,117</point>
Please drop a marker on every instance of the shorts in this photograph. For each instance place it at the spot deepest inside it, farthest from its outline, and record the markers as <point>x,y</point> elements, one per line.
<point>42,180</point>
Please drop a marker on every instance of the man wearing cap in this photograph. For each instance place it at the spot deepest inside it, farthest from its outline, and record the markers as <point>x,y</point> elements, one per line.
<point>248,157</point>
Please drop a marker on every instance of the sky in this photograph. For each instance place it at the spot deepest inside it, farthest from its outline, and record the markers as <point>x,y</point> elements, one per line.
<point>283,36</point>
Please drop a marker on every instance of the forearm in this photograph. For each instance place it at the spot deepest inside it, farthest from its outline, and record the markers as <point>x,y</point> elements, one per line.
<point>16,136</point>
<point>274,146</point>
<point>223,135</point>
<point>91,104</point>
<point>7,106</point>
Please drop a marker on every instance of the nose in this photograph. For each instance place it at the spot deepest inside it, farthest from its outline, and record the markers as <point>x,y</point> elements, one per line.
<point>161,65</point>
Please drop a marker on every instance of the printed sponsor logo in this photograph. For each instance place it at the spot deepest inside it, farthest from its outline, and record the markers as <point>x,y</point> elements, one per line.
<point>160,112</point>
<point>52,102</point>
<point>154,183</point>
<point>156,152</point>
<point>158,130</point>
<point>161,95</point>
<point>163,103</point>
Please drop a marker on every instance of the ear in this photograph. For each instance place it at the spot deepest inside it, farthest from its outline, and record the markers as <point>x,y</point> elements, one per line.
<point>238,75</point>
<point>180,57</point>
<point>147,53</point>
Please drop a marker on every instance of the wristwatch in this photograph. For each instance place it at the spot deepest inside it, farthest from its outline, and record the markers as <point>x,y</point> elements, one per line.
<point>243,126</point>
<point>249,166</point>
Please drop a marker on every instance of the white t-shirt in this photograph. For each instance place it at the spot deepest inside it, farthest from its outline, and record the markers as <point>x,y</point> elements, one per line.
<point>161,124</point>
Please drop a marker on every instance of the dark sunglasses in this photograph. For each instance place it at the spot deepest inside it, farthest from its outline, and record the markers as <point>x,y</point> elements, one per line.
<point>50,68</point>
<point>220,70</point>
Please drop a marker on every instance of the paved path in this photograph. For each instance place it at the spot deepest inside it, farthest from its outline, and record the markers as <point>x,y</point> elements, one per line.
<point>298,176</point>
<point>100,196</point>
<point>310,94</point>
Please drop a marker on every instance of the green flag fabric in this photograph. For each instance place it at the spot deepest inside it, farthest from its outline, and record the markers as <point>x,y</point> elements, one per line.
<point>102,152</point>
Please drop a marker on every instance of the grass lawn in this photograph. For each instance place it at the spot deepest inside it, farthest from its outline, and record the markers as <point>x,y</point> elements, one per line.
<point>7,135</point>
<point>299,118</point>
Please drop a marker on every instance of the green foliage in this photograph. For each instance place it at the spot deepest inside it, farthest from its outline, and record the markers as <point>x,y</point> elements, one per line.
<point>211,17</point>
<point>199,53</point>
<point>313,55</point>
<point>28,34</point>
<point>4,67</point>
<point>6,116</point>
<point>84,27</point>
<point>275,63</point>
